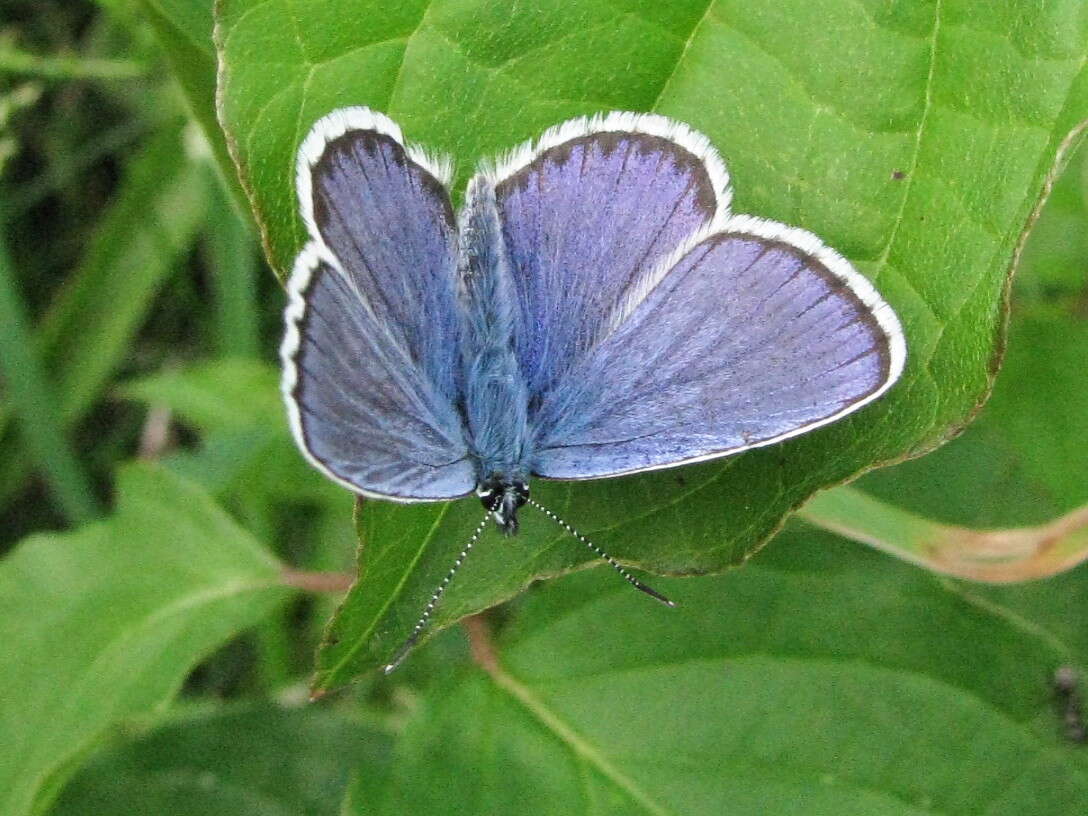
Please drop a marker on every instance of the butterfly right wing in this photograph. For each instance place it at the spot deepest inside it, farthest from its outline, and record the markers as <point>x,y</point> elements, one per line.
<point>373,329</point>
<point>758,333</point>
<point>653,326</point>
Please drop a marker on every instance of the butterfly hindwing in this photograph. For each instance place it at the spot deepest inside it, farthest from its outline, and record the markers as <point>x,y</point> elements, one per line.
<point>757,334</point>
<point>371,355</point>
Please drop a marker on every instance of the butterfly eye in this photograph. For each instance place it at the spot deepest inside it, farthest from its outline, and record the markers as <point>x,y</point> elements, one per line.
<point>521,491</point>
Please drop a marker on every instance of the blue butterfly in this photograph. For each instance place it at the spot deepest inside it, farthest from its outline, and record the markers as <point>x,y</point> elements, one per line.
<point>595,309</point>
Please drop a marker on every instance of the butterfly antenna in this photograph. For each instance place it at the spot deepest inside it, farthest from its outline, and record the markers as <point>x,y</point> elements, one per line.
<point>632,580</point>
<point>421,624</point>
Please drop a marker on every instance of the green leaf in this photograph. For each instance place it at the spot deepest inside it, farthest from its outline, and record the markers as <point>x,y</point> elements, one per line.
<point>1018,464</point>
<point>237,408</point>
<point>88,330</point>
<point>102,625</point>
<point>247,459</point>
<point>221,395</point>
<point>232,255</point>
<point>1051,269</point>
<point>34,403</point>
<point>257,760</point>
<point>915,137</point>
<point>823,679</point>
<point>67,68</point>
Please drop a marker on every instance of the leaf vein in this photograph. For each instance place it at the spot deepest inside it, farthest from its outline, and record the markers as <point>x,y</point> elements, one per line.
<point>364,636</point>
<point>927,106</point>
<point>582,749</point>
<point>683,53</point>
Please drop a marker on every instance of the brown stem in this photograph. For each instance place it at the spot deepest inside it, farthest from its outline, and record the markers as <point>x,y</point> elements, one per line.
<point>155,436</point>
<point>480,643</point>
<point>317,581</point>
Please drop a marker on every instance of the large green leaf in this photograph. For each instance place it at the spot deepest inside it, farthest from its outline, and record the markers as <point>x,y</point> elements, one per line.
<point>257,760</point>
<point>823,679</point>
<point>915,137</point>
<point>1020,462</point>
<point>1007,501</point>
<point>102,625</point>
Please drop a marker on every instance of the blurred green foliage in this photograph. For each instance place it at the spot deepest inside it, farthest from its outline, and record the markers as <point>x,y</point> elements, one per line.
<point>156,659</point>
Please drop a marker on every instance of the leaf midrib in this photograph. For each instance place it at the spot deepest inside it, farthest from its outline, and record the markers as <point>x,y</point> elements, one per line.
<point>363,639</point>
<point>579,745</point>
<point>683,53</point>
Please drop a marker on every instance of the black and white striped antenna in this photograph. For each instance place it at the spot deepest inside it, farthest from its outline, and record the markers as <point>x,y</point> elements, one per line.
<point>421,624</point>
<point>632,580</point>
<point>402,652</point>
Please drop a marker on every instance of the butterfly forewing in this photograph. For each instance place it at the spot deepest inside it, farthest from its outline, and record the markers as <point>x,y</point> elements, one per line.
<point>388,222</point>
<point>587,212</point>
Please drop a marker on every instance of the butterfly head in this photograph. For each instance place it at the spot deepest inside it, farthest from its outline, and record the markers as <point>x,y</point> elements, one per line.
<point>503,497</point>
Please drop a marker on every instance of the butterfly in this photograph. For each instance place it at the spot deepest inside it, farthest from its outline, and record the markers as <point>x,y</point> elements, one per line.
<point>594,309</point>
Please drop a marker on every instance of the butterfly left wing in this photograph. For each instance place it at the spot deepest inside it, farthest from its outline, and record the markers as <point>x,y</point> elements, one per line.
<point>757,334</point>
<point>373,329</point>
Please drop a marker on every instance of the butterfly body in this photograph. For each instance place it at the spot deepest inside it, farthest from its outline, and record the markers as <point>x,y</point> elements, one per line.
<point>496,397</point>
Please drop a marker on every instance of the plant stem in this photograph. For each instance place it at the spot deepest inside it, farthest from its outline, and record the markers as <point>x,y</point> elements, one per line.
<point>13,61</point>
<point>317,581</point>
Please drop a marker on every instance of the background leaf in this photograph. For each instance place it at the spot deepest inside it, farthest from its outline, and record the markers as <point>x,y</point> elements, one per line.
<point>916,138</point>
<point>1020,462</point>
<point>229,394</point>
<point>247,459</point>
<point>1017,464</point>
<point>823,679</point>
<point>89,328</point>
<point>107,621</point>
<point>252,760</point>
<point>34,403</point>
<point>184,30</point>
